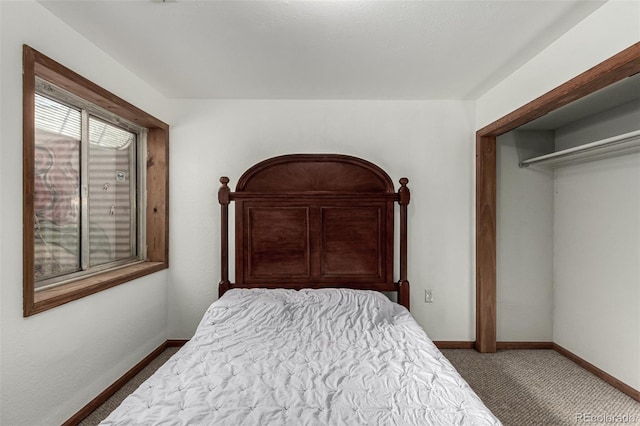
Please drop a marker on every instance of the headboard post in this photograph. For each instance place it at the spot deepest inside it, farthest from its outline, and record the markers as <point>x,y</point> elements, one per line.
<point>224,199</point>
<point>404,291</point>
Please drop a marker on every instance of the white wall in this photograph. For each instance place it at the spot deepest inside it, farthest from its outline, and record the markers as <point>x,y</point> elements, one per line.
<point>610,29</point>
<point>597,249</point>
<point>597,264</point>
<point>55,362</point>
<point>524,239</point>
<point>429,142</point>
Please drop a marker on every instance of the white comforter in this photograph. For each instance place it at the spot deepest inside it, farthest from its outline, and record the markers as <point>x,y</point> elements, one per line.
<point>309,357</point>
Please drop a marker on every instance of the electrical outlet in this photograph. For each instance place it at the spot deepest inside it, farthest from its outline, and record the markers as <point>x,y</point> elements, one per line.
<point>428,296</point>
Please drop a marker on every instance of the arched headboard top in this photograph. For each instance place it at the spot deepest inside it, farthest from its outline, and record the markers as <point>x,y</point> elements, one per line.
<point>299,173</point>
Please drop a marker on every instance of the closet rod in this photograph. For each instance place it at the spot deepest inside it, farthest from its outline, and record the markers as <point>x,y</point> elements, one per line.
<point>592,146</point>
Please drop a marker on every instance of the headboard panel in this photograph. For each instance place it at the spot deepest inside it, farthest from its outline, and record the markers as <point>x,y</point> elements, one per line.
<point>312,221</point>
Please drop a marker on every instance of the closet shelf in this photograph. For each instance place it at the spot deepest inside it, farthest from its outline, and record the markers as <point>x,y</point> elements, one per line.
<point>616,145</point>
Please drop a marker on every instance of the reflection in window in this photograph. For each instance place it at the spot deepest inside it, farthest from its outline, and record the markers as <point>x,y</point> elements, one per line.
<point>56,189</point>
<point>85,190</point>
<point>111,195</point>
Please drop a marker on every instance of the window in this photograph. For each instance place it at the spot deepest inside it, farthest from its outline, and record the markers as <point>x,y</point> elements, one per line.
<point>86,186</point>
<point>95,187</point>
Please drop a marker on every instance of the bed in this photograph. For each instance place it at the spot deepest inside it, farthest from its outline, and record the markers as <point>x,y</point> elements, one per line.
<point>304,334</point>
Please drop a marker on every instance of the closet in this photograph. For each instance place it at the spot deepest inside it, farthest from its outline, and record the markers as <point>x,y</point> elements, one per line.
<point>568,269</point>
<point>568,230</point>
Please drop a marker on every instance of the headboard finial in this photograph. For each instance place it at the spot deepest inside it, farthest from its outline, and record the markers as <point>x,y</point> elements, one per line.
<point>404,193</point>
<point>223,192</point>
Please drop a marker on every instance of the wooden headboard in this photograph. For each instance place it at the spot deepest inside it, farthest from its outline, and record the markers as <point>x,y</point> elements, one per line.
<point>314,221</point>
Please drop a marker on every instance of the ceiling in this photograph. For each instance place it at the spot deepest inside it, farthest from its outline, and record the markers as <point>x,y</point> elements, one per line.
<point>322,49</point>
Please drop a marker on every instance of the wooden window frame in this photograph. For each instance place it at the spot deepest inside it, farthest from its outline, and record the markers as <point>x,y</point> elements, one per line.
<point>157,186</point>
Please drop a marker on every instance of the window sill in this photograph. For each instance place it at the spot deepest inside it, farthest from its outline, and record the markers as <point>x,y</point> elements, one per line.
<point>56,296</point>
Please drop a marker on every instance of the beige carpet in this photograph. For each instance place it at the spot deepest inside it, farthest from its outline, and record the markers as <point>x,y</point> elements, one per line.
<point>542,387</point>
<point>521,387</point>
<point>112,403</point>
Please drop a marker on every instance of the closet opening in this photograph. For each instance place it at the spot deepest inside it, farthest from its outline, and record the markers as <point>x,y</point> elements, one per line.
<point>571,95</point>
